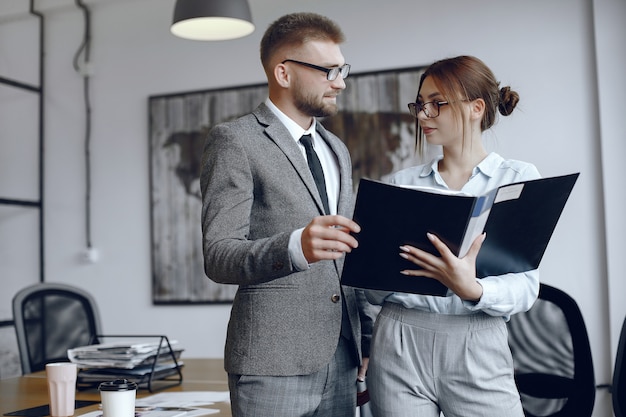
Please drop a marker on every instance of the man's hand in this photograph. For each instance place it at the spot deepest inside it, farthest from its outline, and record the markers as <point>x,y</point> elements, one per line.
<point>328,237</point>
<point>363,370</point>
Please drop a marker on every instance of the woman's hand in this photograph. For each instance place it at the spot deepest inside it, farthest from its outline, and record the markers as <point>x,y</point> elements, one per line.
<point>458,274</point>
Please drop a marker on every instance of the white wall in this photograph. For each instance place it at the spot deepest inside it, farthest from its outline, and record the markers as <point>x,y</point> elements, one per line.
<point>552,53</point>
<point>609,18</point>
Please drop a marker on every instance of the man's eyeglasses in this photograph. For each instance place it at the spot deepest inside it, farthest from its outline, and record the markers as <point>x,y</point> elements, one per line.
<point>431,109</point>
<point>331,73</point>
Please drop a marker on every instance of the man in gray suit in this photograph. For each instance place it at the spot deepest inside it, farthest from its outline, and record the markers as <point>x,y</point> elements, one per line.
<point>296,337</point>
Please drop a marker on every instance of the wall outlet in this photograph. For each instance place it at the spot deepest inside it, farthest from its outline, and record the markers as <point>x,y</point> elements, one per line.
<point>90,255</point>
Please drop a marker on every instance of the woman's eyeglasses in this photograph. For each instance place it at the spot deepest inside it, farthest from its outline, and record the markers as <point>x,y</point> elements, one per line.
<point>431,109</point>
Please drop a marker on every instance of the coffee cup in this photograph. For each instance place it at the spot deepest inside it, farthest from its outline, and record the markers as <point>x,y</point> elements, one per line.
<point>61,388</point>
<point>118,398</point>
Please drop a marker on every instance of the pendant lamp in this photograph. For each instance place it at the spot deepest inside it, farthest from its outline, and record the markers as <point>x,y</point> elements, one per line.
<point>212,20</point>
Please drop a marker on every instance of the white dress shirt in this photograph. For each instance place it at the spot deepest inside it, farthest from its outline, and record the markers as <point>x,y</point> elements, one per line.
<point>330,166</point>
<point>503,295</point>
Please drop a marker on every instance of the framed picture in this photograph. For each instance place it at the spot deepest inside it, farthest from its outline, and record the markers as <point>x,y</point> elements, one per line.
<point>373,121</point>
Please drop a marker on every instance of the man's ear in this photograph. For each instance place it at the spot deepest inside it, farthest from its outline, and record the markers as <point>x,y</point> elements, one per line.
<point>282,76</point>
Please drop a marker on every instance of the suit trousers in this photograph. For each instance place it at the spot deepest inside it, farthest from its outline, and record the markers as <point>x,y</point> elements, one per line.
<point>425,363</point>
<point>329,392</point>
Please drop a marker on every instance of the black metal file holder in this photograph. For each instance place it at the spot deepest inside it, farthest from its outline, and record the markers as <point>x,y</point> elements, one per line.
<point>154,380</point>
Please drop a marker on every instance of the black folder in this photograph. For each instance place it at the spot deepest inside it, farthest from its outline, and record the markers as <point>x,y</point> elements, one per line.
<point>519,220</point>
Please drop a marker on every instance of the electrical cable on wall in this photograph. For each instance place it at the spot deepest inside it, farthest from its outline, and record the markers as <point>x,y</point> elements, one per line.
<point>85,71</point>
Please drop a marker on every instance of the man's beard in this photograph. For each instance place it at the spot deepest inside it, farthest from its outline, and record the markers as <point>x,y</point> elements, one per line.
<point>313,106</point>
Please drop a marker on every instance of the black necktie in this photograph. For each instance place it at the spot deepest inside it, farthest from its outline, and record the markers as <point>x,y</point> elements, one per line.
<point>316,169</point>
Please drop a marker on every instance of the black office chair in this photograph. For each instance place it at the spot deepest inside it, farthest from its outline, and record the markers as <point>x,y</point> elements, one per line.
<point>618,387</point>
<point>50,319</point>
<point>552,357</point>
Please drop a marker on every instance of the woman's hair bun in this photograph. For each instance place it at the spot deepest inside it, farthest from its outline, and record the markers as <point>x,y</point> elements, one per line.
<point>508,101</point>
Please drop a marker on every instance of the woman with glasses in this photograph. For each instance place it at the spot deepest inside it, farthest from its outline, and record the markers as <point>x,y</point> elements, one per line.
<point>450,354</point>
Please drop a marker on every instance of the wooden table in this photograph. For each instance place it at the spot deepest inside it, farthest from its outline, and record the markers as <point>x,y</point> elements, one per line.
<point>31,390</point>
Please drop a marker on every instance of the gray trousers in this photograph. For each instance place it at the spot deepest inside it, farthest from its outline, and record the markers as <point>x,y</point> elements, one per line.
<point>330,392</point>
<point>425,363</point>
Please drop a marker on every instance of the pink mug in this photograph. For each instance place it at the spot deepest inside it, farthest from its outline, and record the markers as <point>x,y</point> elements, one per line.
<point>61,388</point>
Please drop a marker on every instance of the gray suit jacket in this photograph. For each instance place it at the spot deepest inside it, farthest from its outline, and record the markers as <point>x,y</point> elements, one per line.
<point>256,190</point>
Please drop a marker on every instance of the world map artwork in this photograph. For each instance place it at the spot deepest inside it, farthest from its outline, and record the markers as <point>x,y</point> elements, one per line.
<point>373,122</point>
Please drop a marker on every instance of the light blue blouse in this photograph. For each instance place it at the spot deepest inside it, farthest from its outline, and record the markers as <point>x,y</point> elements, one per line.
<point>503,295</point>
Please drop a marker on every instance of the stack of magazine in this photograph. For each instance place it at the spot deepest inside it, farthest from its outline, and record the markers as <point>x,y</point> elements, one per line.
<point>140,361</point>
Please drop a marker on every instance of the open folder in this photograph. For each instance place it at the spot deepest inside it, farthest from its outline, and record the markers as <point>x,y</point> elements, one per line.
<point>519,220</point>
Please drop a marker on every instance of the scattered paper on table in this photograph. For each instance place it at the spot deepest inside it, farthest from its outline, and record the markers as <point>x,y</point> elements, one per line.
<point>163,413</point>
<point>175,404</point>
<point>184,399</point>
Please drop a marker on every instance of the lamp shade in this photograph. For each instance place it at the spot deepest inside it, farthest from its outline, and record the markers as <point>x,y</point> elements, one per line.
<point>212,20</point>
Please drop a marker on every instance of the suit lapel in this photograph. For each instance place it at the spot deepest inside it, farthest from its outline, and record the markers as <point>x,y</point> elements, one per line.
<point>344,203</point>
<point>279,134</point>
<point>345,170</point>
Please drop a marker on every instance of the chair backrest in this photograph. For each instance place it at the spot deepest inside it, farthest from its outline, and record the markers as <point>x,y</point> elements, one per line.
<point>552,357</point>
<point>51,318</point>
<point>618,388</point>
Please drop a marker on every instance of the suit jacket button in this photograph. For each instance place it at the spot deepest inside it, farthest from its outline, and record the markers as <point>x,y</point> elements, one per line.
<point>335,298</point>
<point>278,265</point>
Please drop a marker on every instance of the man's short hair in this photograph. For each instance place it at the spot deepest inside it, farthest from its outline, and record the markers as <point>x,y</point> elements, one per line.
<point>296,29</point>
